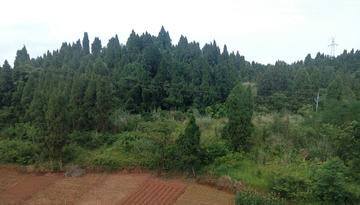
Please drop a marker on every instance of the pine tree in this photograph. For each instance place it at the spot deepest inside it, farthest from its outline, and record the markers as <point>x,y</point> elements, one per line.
<point>187,145</point>
<point>335,89</point>
<point>103,104</point>
<point>86,45</point>
<point>96,47</point>
<point>57,121</point>
<point>164,39</point>
<point>90,103</point>
<point>239,106</point>
<point>22,57</point>
<point>6,85</point>
<point>302,92</point>
<point>76,105</point>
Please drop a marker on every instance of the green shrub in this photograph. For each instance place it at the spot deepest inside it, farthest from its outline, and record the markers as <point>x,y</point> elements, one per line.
<point>330,187</point>
<point>290,185</point>
<point>92,140</point>
<point>208,153</point>
<point>250,197</point>
<point>17,151</point>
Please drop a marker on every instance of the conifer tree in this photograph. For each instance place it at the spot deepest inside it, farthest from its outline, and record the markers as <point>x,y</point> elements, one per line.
<point>164,39</point>
<point>335,89</point>
<point>187,145</point>
<point>57,121</point>
<point>76,105</point>
<point>302,92</point>
<point>96,47</point>
<point>239,106</point>
<point>22,56</point>
<point>86,45</point>
<point>6,85</point>
<point>90,102</point>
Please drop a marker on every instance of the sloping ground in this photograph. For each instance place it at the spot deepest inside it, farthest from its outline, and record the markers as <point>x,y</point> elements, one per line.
<point>68,190</point>
<point>157,193</point>
<point>103,188</point>
<point>114,189</point>
<point>202,195</point>
<point>26,188</point>
<point>9,177</point>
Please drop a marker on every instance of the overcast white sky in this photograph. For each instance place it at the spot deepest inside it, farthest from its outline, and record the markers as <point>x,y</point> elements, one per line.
<point>263,31</point>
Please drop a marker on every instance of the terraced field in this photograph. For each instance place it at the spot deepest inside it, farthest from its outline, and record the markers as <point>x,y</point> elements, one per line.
<point>103,188</point>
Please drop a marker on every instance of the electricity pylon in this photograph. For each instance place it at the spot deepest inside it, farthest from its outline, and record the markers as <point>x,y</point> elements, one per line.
<point>333,44</point>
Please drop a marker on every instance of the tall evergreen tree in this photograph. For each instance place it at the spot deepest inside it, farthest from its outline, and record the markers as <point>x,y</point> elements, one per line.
<point>302,93</point>
<point>86,44</point>
<point>22,57</point>
<point>6,85</point>
<point>239,106</point>
<point>187,145</point>
<point>164,39</point>
<point>57,121</point>
<point>335,89</point>
<point>96,47</point>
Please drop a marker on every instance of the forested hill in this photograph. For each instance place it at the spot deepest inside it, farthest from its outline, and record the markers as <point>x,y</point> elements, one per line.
<point>79,86</point>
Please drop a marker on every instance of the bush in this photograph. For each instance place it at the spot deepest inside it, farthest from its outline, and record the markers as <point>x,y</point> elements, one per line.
<point>290,186</point>
<point>92,140</point>
<point>208,153</point>
<point>330,187</point>
<point>251,197</point>
<point>17,151</point>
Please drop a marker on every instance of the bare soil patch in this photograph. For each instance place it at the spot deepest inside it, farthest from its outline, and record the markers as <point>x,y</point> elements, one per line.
<point>156,192</point>
<point>8,177</point>
<point>203,195</point>
<point>27,187</point>
<point>114,189</point>
<point>68,190</point>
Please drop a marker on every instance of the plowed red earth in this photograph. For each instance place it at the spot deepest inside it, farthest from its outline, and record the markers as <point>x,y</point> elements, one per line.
<point>102,188</point>
<point>156,192</point>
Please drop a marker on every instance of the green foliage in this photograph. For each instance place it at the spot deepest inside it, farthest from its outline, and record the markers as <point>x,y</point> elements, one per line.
<point>291,185</point>
<point>17,151</point>
<point>335,89</point>
<point>187,145</point>
<point>239,107</point>
<point>330,187</point>
<point>253,198</point>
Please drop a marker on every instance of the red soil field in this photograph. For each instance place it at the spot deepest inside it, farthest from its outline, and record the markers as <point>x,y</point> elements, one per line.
<point>203,195</point>
<point>103,188</point>
<point>114,189</point>
<point>156,192</point>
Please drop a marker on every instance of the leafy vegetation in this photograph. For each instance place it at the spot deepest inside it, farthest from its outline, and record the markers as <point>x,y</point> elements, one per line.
<point>149,103</point>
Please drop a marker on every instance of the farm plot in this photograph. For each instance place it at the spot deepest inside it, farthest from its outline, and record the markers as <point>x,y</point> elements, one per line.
<point>203,195</point>
<point>156,192</point>
<point>68,190</point>
<point>114,189</point>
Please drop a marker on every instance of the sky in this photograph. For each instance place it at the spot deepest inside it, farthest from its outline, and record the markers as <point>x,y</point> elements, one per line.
<point>263,31</point>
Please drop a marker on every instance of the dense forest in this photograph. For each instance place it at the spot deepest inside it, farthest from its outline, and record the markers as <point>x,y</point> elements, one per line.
<point>155,104</point>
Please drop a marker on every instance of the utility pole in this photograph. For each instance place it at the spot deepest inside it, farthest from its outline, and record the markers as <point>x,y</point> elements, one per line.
<point>333,44</point>
<point>317,100</point>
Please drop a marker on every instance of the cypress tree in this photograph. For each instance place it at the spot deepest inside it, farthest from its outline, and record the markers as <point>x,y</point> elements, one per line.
<point>302,92</point>
<point>57,121</point>
<point>239,105</point>
<point>86,45</point>
<point>187,145</point>
<point>96,47</point>
<point>335,89</point>
<point>6,85</point>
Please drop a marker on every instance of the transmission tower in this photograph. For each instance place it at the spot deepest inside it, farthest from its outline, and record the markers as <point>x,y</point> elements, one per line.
<point>333,44</point>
